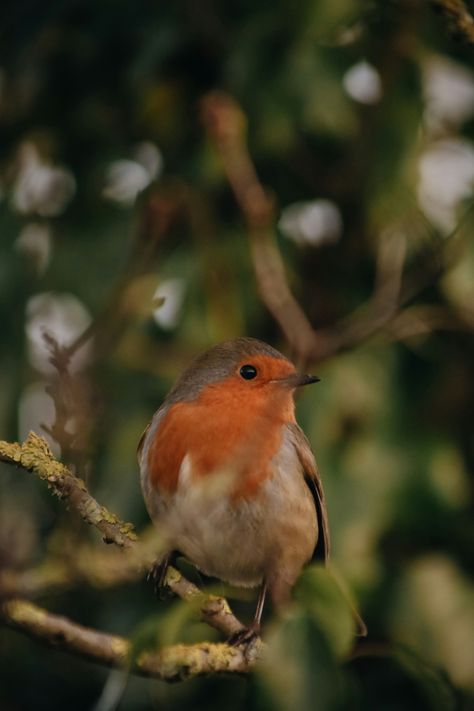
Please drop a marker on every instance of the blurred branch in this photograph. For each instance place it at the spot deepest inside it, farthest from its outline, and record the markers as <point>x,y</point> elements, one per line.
<point>459,18</point>
<point>161,207</point>
<point>47,577</point>
<point>226,125</point>
<point>73,565</point>
<point>103,568</point>
<point>172,663</point>
<point>422,319</point>
<point>75,417</point>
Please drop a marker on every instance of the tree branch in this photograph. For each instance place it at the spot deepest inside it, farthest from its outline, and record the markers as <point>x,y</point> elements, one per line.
<point>72,566</point>
<point>172,663</point>
<point>34,455</point>
<point>226,125</point>
<point>459,18</point>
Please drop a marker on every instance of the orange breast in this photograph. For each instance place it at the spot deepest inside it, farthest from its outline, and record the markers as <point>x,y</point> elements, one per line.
<point>223,427</point>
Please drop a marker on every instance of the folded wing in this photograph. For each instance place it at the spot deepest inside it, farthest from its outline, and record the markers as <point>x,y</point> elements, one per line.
<point>313,480</point>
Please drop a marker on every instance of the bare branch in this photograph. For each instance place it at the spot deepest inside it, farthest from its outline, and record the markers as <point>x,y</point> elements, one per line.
<point>423,319</point>
<point>226,125</point>
<point>172,663</point>
<point>459,18</point>
<point>45,578</point>
<point>82,565</point>
<point>161,206</point>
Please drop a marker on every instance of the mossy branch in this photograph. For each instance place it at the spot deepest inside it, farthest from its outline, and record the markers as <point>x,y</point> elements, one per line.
<point>171,663</point>
<point>35,456</point>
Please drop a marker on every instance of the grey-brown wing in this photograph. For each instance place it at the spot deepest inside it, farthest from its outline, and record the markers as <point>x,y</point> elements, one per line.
<point>153,497</point>
<point>141,441</point>
<point>151,428</point>
<point>315,485</point>
<point>313,480</point>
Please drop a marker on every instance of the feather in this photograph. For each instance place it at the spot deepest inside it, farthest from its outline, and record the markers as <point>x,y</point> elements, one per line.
<point>315,485</point>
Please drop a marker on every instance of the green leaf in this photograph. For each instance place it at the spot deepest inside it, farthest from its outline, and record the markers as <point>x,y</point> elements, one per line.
<point>300,671</point>
<point>323,600</point>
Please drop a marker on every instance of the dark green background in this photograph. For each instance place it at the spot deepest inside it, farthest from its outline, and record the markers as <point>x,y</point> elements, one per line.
<point>392,421</point>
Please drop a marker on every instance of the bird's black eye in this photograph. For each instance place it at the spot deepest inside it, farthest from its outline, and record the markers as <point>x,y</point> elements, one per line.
<point>248,372</point>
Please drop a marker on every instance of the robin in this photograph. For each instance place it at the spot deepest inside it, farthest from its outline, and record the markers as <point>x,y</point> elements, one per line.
<point>229,477</point>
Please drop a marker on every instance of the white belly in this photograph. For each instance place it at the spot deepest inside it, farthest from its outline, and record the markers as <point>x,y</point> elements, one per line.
<point>242,541</point>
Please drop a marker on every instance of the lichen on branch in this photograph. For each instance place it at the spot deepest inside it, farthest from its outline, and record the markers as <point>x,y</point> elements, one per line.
<point>35,456</point>
<point>172,663</point>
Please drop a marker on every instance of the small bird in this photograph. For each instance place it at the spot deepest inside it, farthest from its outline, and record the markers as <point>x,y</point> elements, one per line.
<point>228,476</point>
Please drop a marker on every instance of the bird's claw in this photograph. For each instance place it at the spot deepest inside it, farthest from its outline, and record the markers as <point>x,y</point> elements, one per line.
<point>157,574</point>
<point>245,636</point>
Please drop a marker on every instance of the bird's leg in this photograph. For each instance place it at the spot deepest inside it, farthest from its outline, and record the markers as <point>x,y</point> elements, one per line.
<point>249,633</point>
<point>157,574</point>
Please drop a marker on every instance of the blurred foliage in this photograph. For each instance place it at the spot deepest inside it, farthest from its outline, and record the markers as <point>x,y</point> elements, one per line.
<point>111,191</point>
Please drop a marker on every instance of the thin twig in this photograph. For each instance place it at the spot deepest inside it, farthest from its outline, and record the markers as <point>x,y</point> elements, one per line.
<point>161,207</point>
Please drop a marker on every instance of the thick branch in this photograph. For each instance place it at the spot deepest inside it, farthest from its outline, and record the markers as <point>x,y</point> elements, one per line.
<point>173,663</point>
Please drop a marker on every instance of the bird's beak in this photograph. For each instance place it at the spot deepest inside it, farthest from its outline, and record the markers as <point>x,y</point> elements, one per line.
<point>296,380</point>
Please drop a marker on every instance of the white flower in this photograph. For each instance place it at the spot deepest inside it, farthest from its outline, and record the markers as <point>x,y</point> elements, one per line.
<point>170,294</point>
<point>446,177</point>
<point>34,241</point>
<point>363,84</point>
<point>126,178</point>
<point>315,222</point>
<point>63,317</point>
<point>449,92</point>
<point>40,187</point>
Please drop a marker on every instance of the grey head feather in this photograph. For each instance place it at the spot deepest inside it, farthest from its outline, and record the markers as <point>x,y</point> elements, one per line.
<point>216,364</point>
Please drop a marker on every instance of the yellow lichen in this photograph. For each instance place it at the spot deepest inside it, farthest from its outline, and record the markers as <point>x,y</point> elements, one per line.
<point>172,576</point>
<point>220,603</point>
<point>120,647</point>
<point>10,451</point>
<point>22,612</point>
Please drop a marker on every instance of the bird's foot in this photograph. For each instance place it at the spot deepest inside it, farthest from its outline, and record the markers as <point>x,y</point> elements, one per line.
<point>245,636</point>
<point>157,574</point>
